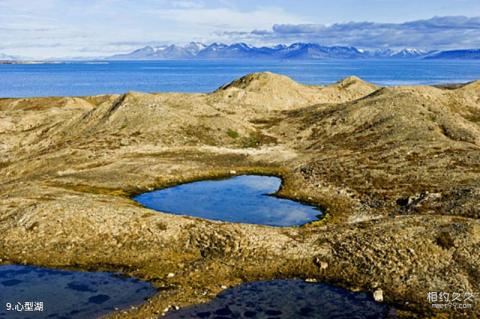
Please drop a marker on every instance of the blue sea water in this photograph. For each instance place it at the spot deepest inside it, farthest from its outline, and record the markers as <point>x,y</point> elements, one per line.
<point>92,78</point>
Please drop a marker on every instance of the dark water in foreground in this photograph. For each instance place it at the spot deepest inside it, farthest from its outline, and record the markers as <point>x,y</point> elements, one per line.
<point>65,294</point>
<point>241,199</point>
<point>92,78</point>
<point>287,299</point>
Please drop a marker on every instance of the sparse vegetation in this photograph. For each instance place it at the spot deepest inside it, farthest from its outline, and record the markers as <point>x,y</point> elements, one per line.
<point>233,134</point>
<point>250,141</point>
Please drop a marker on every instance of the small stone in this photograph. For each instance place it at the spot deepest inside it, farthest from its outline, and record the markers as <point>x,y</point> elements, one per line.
<point>311,280</point>
<point>378,295</point>
<point>170,275</point>
<point>233,172</point>
<point>223,287</point>
<point>323,265</point>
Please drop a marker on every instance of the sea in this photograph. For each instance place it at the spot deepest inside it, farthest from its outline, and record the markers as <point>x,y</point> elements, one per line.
<point>105,77</point>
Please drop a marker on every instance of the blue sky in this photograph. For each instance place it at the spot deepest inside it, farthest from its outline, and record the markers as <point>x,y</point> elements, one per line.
<point>59,28</point>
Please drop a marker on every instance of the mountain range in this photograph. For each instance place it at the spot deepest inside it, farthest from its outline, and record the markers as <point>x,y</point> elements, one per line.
<point>295,51</point>
<point>197,50</point>
<point>6,57</point>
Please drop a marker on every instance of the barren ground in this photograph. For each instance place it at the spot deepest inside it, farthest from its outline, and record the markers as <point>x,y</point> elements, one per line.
<point>397,170</point>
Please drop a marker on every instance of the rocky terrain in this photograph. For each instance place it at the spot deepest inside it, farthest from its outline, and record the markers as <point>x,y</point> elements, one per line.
<point>397,170</point>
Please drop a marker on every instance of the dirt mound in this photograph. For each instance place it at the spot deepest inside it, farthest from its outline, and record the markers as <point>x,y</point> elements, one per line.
<point>257,82</point>
<point>268,91</point>
<point>348,89</point>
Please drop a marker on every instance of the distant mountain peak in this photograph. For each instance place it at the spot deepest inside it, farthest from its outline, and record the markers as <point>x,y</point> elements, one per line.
<point>6,57</point>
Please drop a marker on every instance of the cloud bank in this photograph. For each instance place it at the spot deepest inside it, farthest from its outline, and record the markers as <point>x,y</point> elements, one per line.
<point>438,33</point>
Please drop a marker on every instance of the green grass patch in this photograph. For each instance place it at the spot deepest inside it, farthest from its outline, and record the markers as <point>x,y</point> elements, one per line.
<point>233,134</point>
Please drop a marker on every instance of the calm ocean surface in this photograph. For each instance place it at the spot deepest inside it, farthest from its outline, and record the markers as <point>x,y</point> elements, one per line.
<point>91,78</point>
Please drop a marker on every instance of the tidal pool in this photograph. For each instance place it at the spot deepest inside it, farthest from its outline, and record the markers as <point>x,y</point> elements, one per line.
<point>35,292</point>
<point>241,199</point>
<point>287,299</point>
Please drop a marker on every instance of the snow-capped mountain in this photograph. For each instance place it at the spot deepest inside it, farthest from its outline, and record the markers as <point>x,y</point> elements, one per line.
<point>163,52</point>
<point>315,51</point>
<point>403,53</point>
<point>197,50</point>
<point>299,51</point>
<point>5,57</point>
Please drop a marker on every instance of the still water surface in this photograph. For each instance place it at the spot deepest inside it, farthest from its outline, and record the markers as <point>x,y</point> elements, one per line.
<point>287,299</point>
<point>92,78</point>
<point>66,294</point>
<point>241,199</point>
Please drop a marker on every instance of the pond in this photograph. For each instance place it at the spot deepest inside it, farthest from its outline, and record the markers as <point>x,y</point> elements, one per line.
<point>241,199</point>
<point>35,292</point>
<point>287,299</point>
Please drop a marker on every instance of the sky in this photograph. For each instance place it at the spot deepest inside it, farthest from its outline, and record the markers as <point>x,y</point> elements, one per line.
<point>76,28</point>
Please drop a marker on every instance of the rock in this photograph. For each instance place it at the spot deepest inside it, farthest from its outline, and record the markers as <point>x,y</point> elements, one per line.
<point>170,275</point>
<point>311,280</point>
<point>378,295</point>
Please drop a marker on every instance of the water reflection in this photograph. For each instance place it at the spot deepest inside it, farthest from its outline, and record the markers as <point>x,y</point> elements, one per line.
<point>287,299</point>
<point>241,199</point>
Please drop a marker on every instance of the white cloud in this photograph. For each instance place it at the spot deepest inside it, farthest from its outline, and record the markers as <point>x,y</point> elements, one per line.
<point>435,33</point>
<point>226,18</point>
<point>188,4</point>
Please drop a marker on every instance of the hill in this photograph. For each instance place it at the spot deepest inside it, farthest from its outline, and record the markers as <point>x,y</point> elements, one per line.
<point>396,171</point>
